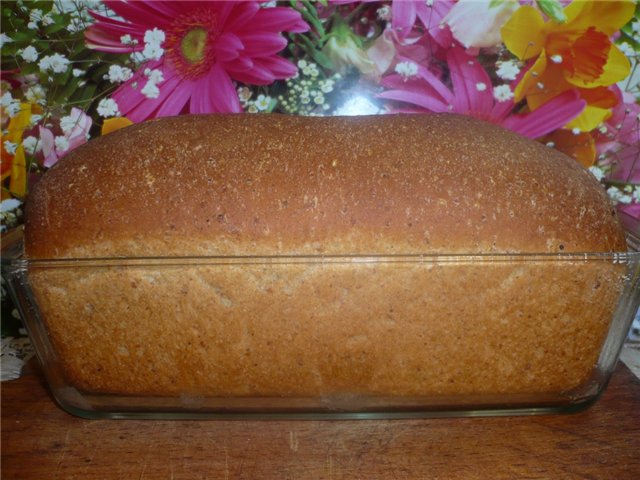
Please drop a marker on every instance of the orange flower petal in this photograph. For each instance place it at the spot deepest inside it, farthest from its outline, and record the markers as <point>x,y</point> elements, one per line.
<point>524,33</point>
<point>116,123</point>
<point>616,69</point>
<point>581,147</point>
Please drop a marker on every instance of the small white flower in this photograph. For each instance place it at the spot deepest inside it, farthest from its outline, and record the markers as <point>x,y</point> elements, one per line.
<point>10,147</point>
<point>540,85</point>
<point>9,204</point>
<point>618,195</point>
<point>556,59</point>
<point>68,123</point>
<point>150,90</point>
<point>6,99</point>
<point>597,172</point>
<point>508,70</point>
<point>502,93</point>
<point>61,143</point>
<point>32,26</point>
<point>302,64</point>
<point>35,15</point>
<point>429,3</point>
<point>47,20</point>
<point>384,13</point>
<point>575,131</point>
<point>31,145</point>
<point>481,87</point>
<point>602,129</point>
<point>4,39</point>
<point>327,86</point>
<point>76,24</point>
<point>76,72</point>
<point>262,102</point>
<point>35,119</point>
<point>635,26</point>
<point>29,54</point>
<point>107,107</point>
<point>318,99</point>
<point>13,108</point>
<point>626,49</point>
<point>118,74</point>
<point>154,75</point>
<point>636,195</point>
<point>56,63</point>
<point>550,144</point>
<point>36,94</point>
<point>155,36</point>
<point>406,69</point>
<point>127,40</point>
<point>152,51</point>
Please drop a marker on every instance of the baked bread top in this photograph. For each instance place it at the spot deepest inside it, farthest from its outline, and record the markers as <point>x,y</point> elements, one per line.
<point>286,185</point>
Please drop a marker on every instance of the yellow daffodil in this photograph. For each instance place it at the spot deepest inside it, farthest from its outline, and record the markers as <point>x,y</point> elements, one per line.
<point>14,163</point>
<point>577,54</point>
<point>113,124</point>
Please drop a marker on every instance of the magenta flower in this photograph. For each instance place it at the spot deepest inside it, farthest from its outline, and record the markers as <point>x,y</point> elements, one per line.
<point>197,49</point>
<point>473,94</point>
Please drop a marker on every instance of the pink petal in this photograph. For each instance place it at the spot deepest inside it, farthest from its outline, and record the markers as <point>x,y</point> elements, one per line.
<point>280,19</point>
<point>403,16</point>
<point>263,44</point>
<point>228,47</point>
<point>48,147</point>
<point>550,116</point>
<point>278,66</point>
<point>140,12</point>
<point>427,102</point>
<point>241,15</point>
<point>177,100</point>
<point>467,75</point>
<point>148,107</point>
<point>215,93</point>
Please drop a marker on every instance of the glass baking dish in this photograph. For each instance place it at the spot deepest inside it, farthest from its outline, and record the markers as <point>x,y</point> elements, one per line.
<point>328,336</point>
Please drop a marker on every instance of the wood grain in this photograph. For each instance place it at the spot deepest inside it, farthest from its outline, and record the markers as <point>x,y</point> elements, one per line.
<point>40,441</point>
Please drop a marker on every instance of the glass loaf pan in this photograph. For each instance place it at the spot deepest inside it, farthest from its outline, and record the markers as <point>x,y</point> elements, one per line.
<point>328,336</point>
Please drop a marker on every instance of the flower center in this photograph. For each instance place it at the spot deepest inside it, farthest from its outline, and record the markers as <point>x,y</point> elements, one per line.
<point>190,43</point>
<point>194,44</point>
<point>584,53</point>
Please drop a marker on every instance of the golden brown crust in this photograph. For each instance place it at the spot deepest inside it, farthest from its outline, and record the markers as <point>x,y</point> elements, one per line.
<point>269,184</point>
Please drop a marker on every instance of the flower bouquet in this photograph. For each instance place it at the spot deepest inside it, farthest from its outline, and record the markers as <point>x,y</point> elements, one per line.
<point>564,73</point>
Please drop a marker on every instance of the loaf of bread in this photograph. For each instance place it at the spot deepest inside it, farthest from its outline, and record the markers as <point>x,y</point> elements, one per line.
<point>322,259</point>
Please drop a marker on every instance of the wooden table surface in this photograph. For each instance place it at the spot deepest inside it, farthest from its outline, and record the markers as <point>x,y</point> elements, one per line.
<point>40,441</point>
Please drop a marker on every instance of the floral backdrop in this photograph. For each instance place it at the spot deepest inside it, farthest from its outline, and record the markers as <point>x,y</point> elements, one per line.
<point>563,73</point>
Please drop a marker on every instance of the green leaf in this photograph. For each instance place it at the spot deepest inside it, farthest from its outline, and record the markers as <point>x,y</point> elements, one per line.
<point>495,3</point>
<point>553,9</point>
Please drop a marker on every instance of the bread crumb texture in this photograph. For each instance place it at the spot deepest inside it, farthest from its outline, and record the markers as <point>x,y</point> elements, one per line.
<point>271,184</point>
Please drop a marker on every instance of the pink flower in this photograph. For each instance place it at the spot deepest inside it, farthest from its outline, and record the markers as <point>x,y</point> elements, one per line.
<point>477,23</point>
<point>198,48</point>
<point>406,13</point>
<point>75,129</point>
<point>473,94</point>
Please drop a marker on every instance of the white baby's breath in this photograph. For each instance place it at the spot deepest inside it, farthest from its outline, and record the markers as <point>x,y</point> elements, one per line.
<point>502,93</point>
<point>118,74</point>
<point>31,145</point>
<point>4,38</point>
<point>507,70</point>
<point>481,86</point>
<point>56,63</point>
<point>29,54</point>
<point>61,143</point>
<point>10,147</point>
<point>406,69</point>
<point>107,107</point>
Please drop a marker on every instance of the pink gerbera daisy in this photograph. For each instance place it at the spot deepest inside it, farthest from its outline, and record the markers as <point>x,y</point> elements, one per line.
<point>203,47</point>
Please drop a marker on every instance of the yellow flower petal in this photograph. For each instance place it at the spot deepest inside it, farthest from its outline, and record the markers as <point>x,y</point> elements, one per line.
<point>589,119</point>
<point>616,69</point>
<point>116,123</point>
<point>524,33</point>
<point>530,79</point>
<point>18,182</point>
<point>607,16</point>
